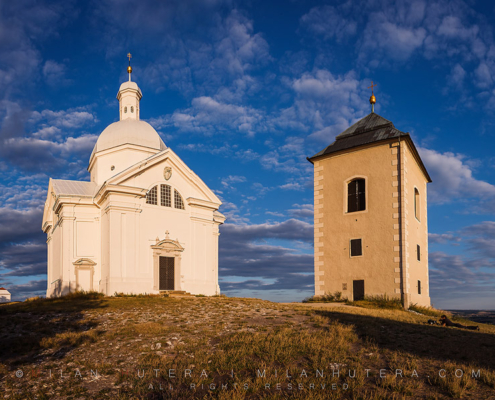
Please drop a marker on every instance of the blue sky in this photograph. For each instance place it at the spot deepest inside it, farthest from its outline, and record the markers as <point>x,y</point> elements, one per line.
<point>243,92</point>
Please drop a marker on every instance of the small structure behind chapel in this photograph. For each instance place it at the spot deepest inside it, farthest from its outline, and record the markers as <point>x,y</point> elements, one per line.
<point>5,296</point>
<point>370,214</point>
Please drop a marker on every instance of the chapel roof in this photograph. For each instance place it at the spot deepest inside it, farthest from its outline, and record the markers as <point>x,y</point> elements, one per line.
<point>74,188</point>
<point>370,129</point>
<point>129,131</point>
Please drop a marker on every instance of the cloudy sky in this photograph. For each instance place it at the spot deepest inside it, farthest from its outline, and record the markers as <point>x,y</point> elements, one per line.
<point>243,92</point>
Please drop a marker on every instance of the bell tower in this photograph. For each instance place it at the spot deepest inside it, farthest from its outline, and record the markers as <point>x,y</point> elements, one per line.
<point>370,219</point>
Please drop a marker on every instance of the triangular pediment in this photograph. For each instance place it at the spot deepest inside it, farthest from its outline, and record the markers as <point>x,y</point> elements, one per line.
<point>162,159</point>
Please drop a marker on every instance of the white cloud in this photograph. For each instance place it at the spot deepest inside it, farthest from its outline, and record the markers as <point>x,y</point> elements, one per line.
<point>208,116</point>
<point>229,180</point>
<point>383,36</point>
<point>483,76</point>
<point>302,210</point>
<point>54,73</point>
<point>453,28</point>
<point>292,186</point>
<point>327,22</point>
<point>23,24</point>
<point>45,155</point>
<point>442,238</point>
<point>204,50</point>
<point>70,119</point>
<point>456,77</point>
<point>324,104</point>
<point>452,178</point>
<point>288,157</point>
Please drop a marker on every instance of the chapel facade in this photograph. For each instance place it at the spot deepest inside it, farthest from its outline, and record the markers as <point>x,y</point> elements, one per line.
<point>144,223</point>
<point>370,215</point>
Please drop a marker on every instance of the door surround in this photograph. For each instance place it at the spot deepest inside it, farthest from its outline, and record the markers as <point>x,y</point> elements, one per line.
<point>167,248</point>
<point>84,264</point>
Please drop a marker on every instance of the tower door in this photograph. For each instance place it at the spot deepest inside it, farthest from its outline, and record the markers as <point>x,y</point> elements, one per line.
<point>358,290</point>
<point>167,273</point>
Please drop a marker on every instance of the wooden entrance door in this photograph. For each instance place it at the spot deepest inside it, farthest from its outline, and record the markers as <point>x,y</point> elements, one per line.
<point>167,273</point>
<point>358,290</point>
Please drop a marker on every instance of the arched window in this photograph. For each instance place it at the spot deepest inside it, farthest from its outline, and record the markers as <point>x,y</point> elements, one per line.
<point>165,195</point>
<point>356,195</point>
<point>151,196</point>
<point>125,109</point>
<point>178,202</point>
<point>416,203</point>
<point>132,109</point>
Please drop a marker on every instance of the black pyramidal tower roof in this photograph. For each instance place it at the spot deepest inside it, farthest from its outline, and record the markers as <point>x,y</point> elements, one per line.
<point>370,129</point>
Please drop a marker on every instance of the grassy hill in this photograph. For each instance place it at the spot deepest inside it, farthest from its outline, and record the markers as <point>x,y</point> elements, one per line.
<point>150,347</point>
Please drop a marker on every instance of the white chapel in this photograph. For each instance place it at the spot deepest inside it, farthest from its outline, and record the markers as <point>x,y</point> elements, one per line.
<point>145,222</point>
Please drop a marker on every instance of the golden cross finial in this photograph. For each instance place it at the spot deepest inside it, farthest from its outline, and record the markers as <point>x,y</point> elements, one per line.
<point>372,98</point>
<point>129,68</point>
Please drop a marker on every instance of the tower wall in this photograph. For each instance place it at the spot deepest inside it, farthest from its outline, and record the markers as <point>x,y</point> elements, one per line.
<point>378,225</point>
<point>416,230</point>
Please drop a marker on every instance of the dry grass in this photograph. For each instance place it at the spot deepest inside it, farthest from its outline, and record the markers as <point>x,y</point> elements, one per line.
<point>69,339</point>
<point>262,342</point>
<point>384,302</point>
<point>432,312</point>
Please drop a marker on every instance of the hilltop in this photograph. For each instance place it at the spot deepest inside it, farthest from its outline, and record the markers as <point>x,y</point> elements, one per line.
<point>231,348</point>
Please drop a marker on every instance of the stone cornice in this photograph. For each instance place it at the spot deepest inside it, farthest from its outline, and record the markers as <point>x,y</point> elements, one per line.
<point>193,202</point>
<point>107,189</point>
<point>72,199</point>
<point>120,207</point>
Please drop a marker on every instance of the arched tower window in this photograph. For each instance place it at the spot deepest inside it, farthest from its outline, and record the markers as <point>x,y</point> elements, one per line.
<point>356,195</point>
<point>151,196</point>
<point>166,195</point>
<point>132,109</point>
<point>178,202</point>
<point>416,204</point>
<point>125,109</point>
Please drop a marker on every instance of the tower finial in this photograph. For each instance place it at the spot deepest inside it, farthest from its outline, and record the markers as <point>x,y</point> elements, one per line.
<point>372,98</point>
<point>129,68</point>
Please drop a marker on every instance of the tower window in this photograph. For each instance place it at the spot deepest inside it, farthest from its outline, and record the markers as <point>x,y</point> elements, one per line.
<point>416,203</point>
<point>356,248</point>
<point>419,287</point>
<point>125,109</point>
<point>356,195</point>
<point>178,202</point>
<point>165,196</point>
<point>151,196</point>
<point>132,109</point>
<point>418,251</point>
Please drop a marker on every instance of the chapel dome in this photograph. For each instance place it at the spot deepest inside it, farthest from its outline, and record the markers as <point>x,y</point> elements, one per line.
<point>129,131</point>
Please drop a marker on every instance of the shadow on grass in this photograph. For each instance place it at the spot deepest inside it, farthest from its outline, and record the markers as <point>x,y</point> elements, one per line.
<point>27,328</point>
<point>429,341</point>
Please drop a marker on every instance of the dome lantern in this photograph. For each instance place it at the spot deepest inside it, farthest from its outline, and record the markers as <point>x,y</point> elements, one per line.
<point>129,96</point>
